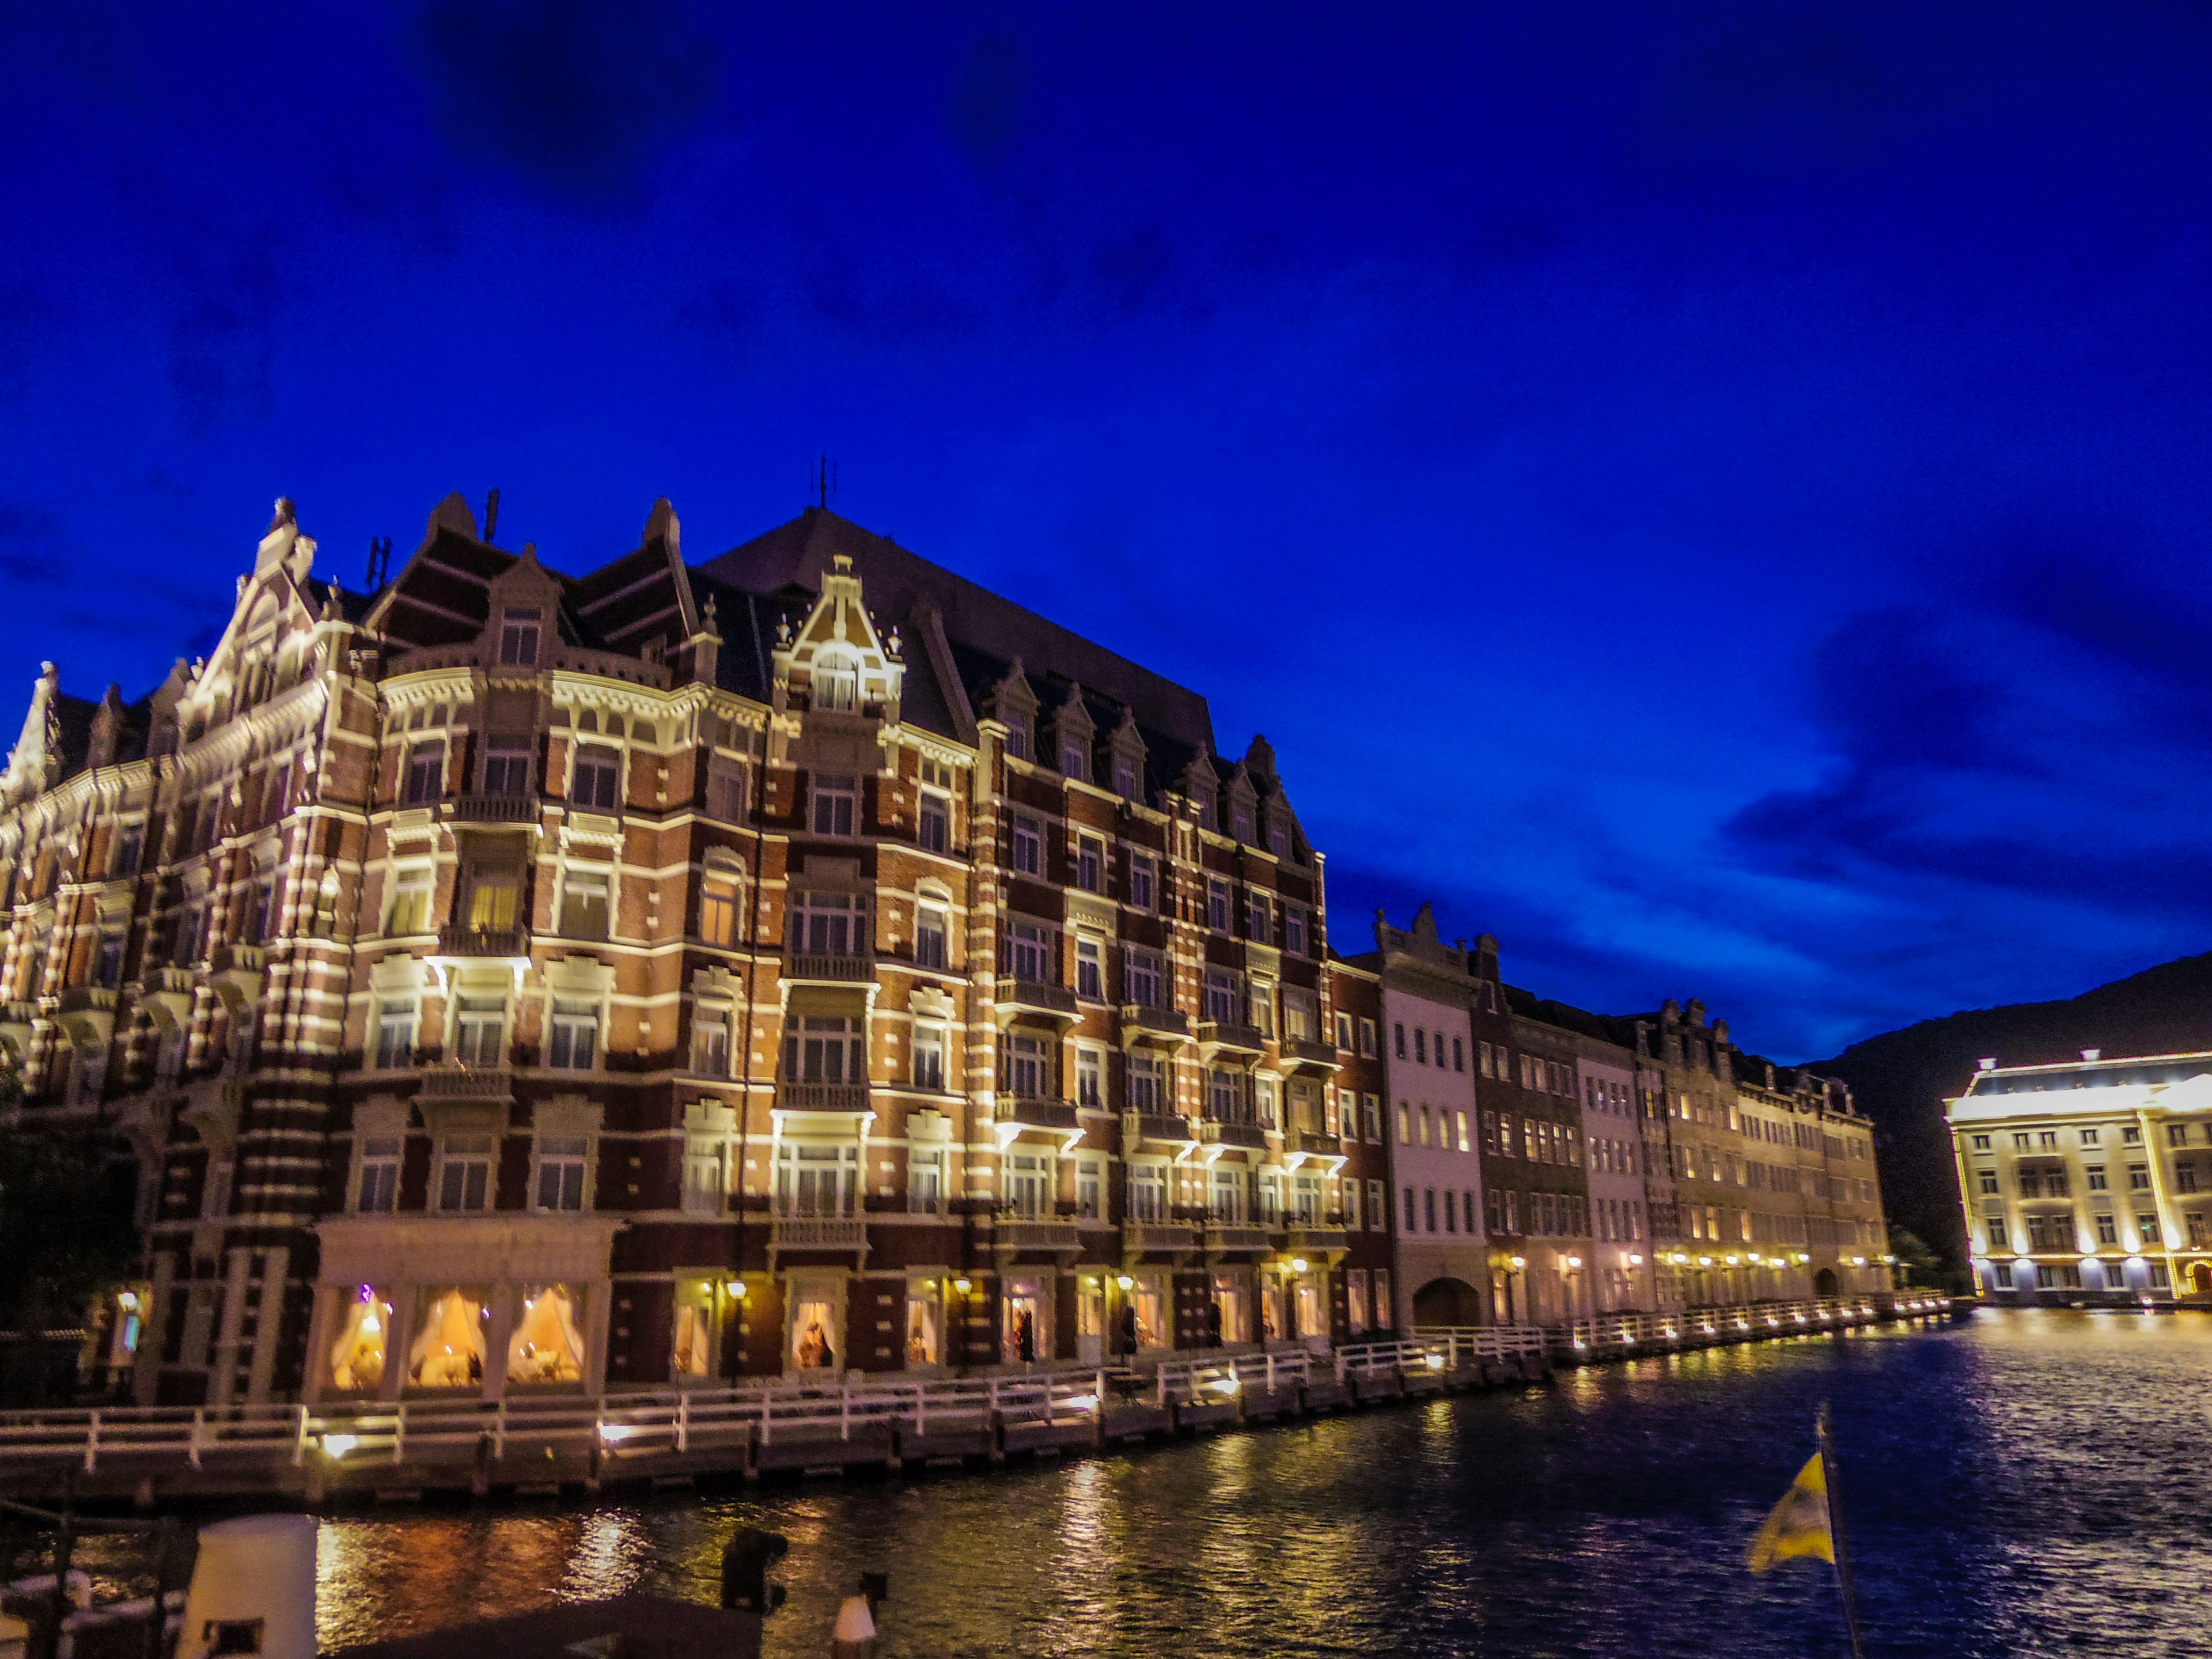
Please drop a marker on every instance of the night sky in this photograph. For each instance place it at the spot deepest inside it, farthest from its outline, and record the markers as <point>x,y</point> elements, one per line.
<point>1714,495</point>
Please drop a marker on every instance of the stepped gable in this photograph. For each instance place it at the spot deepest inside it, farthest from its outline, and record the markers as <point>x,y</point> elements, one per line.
<point>987,633</point>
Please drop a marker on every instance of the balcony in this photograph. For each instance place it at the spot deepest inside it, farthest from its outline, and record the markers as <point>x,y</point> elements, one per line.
<point>1142,1022</point>
<point>1175,1237</point>
<point>1033,1113</point>
<point>235,972</point>
<point>1155,1126</point>
<point>1313,1144</point>
<point>1219,1036</point>
<point>826,967</point>
<point>806,1232</point>
<point>1216,1133</point>
<point>512,943</point>
<point>1317,1243</point>
<point>166,994</point>
<point>464,1083</point>
<point>822,1097</point>
<point>1029,996</point>
<point>494,809</point>
<point>1309,1055</point>
<point>1222,1235</point>
<point>1035,1233</point>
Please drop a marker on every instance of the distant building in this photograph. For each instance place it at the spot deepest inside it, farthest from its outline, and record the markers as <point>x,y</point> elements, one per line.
<point>2089,1181</point>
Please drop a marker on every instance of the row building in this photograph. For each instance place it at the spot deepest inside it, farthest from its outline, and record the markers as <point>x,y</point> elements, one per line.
<point>803,961</point>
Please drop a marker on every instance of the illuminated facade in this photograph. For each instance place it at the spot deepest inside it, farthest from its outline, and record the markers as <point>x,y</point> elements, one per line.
<point>2089,1181</point>
<point>509,981</point>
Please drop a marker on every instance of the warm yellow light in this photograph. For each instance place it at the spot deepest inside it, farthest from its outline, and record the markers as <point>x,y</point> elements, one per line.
<point>1518,1261</point>
<point>1225,1385</point>
<point>734,1287</point>
<point>1436,1362</point>
<point>370,1324</point>
<point>338,1446</point>
<point>963,1285</point>
<point>1574,1261</point>
<point>1297,1264</point>
<point>127,1298</point>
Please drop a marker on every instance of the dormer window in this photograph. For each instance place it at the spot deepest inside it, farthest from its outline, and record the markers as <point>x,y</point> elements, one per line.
<point>1075,761</point>
<point>1279,840</point>
<point>1017,737</point>
<point>518,636</point>
<point>837,683</point>
<point>1125,780</point>
<point>1241,823</point>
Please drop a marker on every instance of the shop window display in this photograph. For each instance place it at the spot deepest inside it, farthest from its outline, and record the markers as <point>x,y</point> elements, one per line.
<point>547,1347</point>
<point>357,1357</point>
<point>448,1351</point>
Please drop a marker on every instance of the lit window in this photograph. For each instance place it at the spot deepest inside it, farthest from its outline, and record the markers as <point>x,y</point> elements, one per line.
<point>718,909</point>
<point>837,683</point>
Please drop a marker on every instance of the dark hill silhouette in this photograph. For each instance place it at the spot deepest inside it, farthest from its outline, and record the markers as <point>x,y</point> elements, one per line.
<point>1901,1079</point>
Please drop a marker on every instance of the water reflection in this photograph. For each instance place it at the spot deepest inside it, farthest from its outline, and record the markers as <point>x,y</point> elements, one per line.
<point>2023,1484</point>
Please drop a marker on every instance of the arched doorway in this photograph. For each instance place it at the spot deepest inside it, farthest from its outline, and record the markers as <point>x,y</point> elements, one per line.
<point>1824,1282</point>
<point>1447,1302</point>
<point>2200,1278</point>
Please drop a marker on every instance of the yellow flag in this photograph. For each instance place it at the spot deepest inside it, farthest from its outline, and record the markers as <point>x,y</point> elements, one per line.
<point>1799,1524</point>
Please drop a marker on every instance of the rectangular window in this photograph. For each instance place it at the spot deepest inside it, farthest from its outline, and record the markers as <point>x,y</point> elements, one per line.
<point>1989,1181</point>
<point>1090,1078</point>
<point>378,1192</point>
<point>836,803</point>
<point>710,1041</point>
<point>718,909</point>
<point>575,1035</point>
<point>1090,969</point>
<point>706,1180</point>
<point>929,1057</point>
<point>595,783</point>
<point>1224,1095</point>
<point>1420,1046</point>
<point>1143,874</point>
<point>480,1032</point>
<point>395,1035</point>
<point>1146,1091</point>
<point>1258,917</point>
<point>425,780</point>
<point>1294,930</point>
<point>2108,1230</point>
<point>495,895</point>
<point>1412,1217</point>
<point>1017,737</point>
<point>1367,1039</point>
<point>1030,952</point>
<point>935,831</point>
<point>1378,1213</point>
<point>1029,847</point>
<point>1386,1312</point>
<point>584,903</point>
<point>929,936</point>
<point>561,1172</point>
<point>409,914</point>
<point>1344,1033</point>
<point>465,1173</point>
<point>826,1049</point>
<point>1371,1119</point>
<point>728,790</point>
<point>1465,1143</point>
<point>506,766</point>
<point>1029,1069</point>
<point>1148,1192</point>
<point>1459,1057</point>
<point>107,963</point>
<point>1090,864</point>
<point>2138,1177</point>
<point>1997,1226</point>
<point>2177,1134</point>
<point>925,1182</point>
<point>2146,1230</point>
<point>1224,1003</point>
<point>1140,970</point>
<point>1399,1038</point>
<point>1217,904</point>
<point>829,924</point>
<point>518,636</point>
<point>130,847</point>
<point>2184,1177</point>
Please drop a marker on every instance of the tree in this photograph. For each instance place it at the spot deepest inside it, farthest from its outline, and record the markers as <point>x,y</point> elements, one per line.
<point>1915,1263</point>
<point>67,1236</point>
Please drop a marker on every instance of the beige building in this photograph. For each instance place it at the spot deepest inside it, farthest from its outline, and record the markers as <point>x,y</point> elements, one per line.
<point>2089,1181</point>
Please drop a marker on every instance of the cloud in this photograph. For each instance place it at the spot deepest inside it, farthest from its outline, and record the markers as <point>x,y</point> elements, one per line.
<point>577,96</point>
<point>30,543</point>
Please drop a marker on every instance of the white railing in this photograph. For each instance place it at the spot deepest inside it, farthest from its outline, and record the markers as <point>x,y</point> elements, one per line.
<point>1734,1321</point>
<point>630,1425</point>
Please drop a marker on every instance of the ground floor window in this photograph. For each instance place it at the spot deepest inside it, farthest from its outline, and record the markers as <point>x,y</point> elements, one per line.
<point>925,1323</point>
<point>358,1356</point>
<point>813,1326</point>
<point>1355,1301</point>
<point>1310,1306</point>
<point>1144,1313</point>
<point>448,1350</point>
<point>1228,1319</point>
<point>1024,1307</point>
<point>547,1347</point>
<point>1385,1316</point>
<point>1272,1311</point>
<point>698,1328</point>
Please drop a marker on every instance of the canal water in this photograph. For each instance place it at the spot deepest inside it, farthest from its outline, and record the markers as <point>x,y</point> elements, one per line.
<point>2024,1482</point>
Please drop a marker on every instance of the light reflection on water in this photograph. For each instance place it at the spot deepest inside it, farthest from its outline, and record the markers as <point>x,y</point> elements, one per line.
<point>2025,1483</point>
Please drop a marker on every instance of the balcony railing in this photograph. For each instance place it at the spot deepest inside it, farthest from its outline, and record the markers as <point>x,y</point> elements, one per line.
<point>1036,1113</point>
<point>1304,1051</point>
<point>460,941</point>
<point>1226,1034</point>
<point>1158,1236</point>
<point>1024,1233</point>
<point>495,809</point>
<point>466,1083</point>
<point>827,967</point>
<point>1318,1241</point>
<point>823,1096</point>
<point>1034,996</point>
<point>87,1000</point>
<point>1155,1126</point>
<point>805,1233</point>
<point>1140,1019</point>
<point>1309,1141</point>
<point>1234,1236</point>
<point>1216,1133</point>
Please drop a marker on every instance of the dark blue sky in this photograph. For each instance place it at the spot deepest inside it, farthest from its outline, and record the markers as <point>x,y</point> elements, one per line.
<point>1716,496</point>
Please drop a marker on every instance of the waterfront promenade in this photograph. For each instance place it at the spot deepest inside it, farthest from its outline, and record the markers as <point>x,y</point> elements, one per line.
<point>583,1446</point>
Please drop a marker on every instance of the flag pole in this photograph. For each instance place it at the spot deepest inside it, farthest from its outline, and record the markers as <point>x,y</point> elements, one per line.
<point>1836,1531</point>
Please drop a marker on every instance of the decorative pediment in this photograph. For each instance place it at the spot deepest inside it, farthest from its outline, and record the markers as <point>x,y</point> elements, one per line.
<point>35,762</point>
<point>1201,786</point>
<point>1241,820</point>
<point>836,658</point>
<point>1125,757</point>
<point>1073,732</point>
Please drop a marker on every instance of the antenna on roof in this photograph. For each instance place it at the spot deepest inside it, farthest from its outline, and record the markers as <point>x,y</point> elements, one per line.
<point>824,481</point>
<point>491,516</point>
<point>380,562</point>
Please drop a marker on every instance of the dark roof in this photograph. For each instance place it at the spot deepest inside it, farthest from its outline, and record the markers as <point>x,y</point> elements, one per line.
<point>993,629</point>
<point>2090,1074</point>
